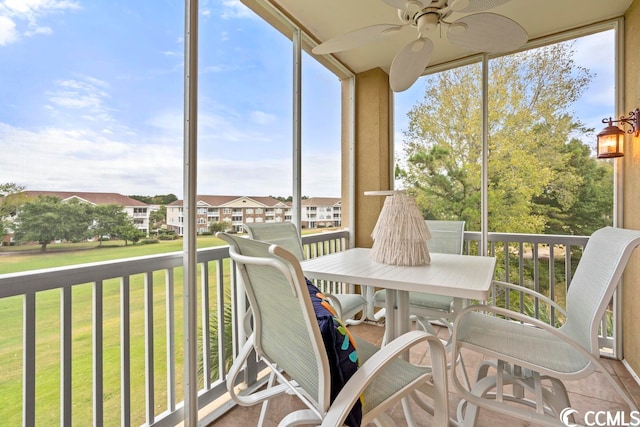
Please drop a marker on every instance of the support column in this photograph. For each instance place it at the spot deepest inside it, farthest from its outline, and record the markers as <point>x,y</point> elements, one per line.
<point>631,198</point>
<point>372,151</point>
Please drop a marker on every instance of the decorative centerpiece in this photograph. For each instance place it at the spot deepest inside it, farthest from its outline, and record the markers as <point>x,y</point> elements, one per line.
<point>400,235</point>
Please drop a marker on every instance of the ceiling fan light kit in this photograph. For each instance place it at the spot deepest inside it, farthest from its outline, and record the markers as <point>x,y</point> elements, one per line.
<point>476,32</point>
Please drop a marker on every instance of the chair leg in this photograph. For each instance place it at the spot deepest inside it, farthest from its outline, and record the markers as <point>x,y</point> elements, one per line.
<point>301,417</point>
<point>490,388</point>
<point>425,325</point>
<point>408,414</point>
<point>384,420</point>
<point>265,404</point>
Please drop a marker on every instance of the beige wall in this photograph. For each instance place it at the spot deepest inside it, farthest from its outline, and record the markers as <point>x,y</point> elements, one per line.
<point>373,151</point>
<point>631,198</point>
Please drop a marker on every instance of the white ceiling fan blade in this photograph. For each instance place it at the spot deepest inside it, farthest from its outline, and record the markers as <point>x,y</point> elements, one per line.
<point>409,64</point>
<point>487,32</point>
<point>467,6</point>
<point>357,38</point>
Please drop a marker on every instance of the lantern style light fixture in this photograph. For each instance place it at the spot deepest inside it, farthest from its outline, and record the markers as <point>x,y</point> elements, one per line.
<point>611,138</point>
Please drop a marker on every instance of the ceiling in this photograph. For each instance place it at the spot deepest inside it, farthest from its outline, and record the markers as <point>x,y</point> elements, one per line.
<point>324,19</point>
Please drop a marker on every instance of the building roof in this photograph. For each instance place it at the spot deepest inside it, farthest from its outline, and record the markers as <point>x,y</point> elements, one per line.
<point>94,198</point>
<point>321,201</point>
<point>250,201</point>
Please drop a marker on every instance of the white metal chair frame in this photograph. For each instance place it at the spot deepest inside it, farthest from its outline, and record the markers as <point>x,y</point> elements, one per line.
<point>285,234</point>
<point>565,353</point>
<point>301,367</point>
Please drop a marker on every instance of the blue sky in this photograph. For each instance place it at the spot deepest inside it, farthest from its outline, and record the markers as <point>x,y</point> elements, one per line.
<point>92,100</point>
<point>92,96</point>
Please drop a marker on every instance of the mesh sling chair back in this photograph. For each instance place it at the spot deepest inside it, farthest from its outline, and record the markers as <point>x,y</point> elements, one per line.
<point>528,351</point>
<point>287,337</point>
<point>447,237</point>
<point>285,234</point>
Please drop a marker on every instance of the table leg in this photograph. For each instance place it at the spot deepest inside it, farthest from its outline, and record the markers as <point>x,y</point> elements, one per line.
<point>390,318</point>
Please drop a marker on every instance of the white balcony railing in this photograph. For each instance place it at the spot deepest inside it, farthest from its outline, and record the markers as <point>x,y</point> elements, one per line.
<point>544,263</point>
<point>142,299</point>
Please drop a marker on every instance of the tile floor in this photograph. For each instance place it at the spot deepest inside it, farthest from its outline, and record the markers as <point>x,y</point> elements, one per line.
<point>591,394</point>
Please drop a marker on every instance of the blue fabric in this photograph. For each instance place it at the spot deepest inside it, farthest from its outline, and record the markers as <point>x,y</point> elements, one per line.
<point>341,350</point>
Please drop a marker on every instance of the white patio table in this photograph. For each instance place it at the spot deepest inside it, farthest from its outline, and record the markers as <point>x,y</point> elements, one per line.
<point>458,276</point>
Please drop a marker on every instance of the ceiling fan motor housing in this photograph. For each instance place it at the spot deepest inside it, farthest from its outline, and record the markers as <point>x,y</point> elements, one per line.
<point>428,20</point>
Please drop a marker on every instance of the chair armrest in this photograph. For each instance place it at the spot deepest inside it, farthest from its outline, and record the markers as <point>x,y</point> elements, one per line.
<point>366,373</point>
<point>237,369</point>
<point>520,317</point>
<point>593,358</point>
<point>533,293</point>
<point>335,302</point>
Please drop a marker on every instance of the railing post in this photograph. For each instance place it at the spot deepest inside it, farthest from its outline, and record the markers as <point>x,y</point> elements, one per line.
<point>190,185</point>
<point>29,361</point>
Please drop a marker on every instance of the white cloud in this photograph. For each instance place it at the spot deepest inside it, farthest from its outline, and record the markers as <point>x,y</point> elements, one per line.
<point>262,118</point>
<point>39,30</point>
<point>258,177</point>
<point>26,7</point>
<point>233,9</point>
<point>86,160</point>
<point>219,68</point>
<point>8,33</point>
<point>85,93</point>
<point>22,17</point>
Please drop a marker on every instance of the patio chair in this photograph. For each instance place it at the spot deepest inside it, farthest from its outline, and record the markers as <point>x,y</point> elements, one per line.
<point>529,351</point>
<point>446,237</point>
<point>285,234</point>
<point>288,338</point>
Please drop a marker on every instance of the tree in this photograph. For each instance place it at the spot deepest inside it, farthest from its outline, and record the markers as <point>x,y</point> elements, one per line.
<point>530,95</point>
<point>8,204</point>
<point>128,232</point>
<point>76,218</point>
<point>214,227</point>
<point>158,218</point>
<point>590,205</point>
<point>108,220</point>
<point>39,220</point>
<point>156,200</point>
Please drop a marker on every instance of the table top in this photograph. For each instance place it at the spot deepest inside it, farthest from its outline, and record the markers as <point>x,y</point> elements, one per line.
<point>458,276</point>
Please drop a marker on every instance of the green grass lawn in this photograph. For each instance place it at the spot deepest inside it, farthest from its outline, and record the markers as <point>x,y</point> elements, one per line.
<point>29,257</point>
<point>48,336</point>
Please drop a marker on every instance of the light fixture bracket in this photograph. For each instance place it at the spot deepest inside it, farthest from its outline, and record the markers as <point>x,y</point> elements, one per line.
<point>632,120</point>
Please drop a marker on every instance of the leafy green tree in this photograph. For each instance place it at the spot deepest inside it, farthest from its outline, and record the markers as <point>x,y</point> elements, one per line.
<point>39,220</point>
<point>156,200</point>
<point>129,233</point>
<point>8,204</point>
<point>108,220</point>
<point>214,227</point>
<point>76,218</point>
<point>158,218</point>
<point>590,205</point>
<point>530,122</point>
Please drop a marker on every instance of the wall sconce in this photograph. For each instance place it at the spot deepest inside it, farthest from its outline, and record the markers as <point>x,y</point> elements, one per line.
<point>611,138</point>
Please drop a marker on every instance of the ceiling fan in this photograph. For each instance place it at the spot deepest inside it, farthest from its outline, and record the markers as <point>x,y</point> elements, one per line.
<point>481,32</point>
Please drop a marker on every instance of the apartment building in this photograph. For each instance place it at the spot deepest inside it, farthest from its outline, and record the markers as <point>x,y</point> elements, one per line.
<point>137,210</point>
<point>320,212</point>
<point>239,210</point>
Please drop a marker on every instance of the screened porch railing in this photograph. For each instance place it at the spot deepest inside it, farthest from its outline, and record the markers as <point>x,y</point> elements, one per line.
<point>122,320</point>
